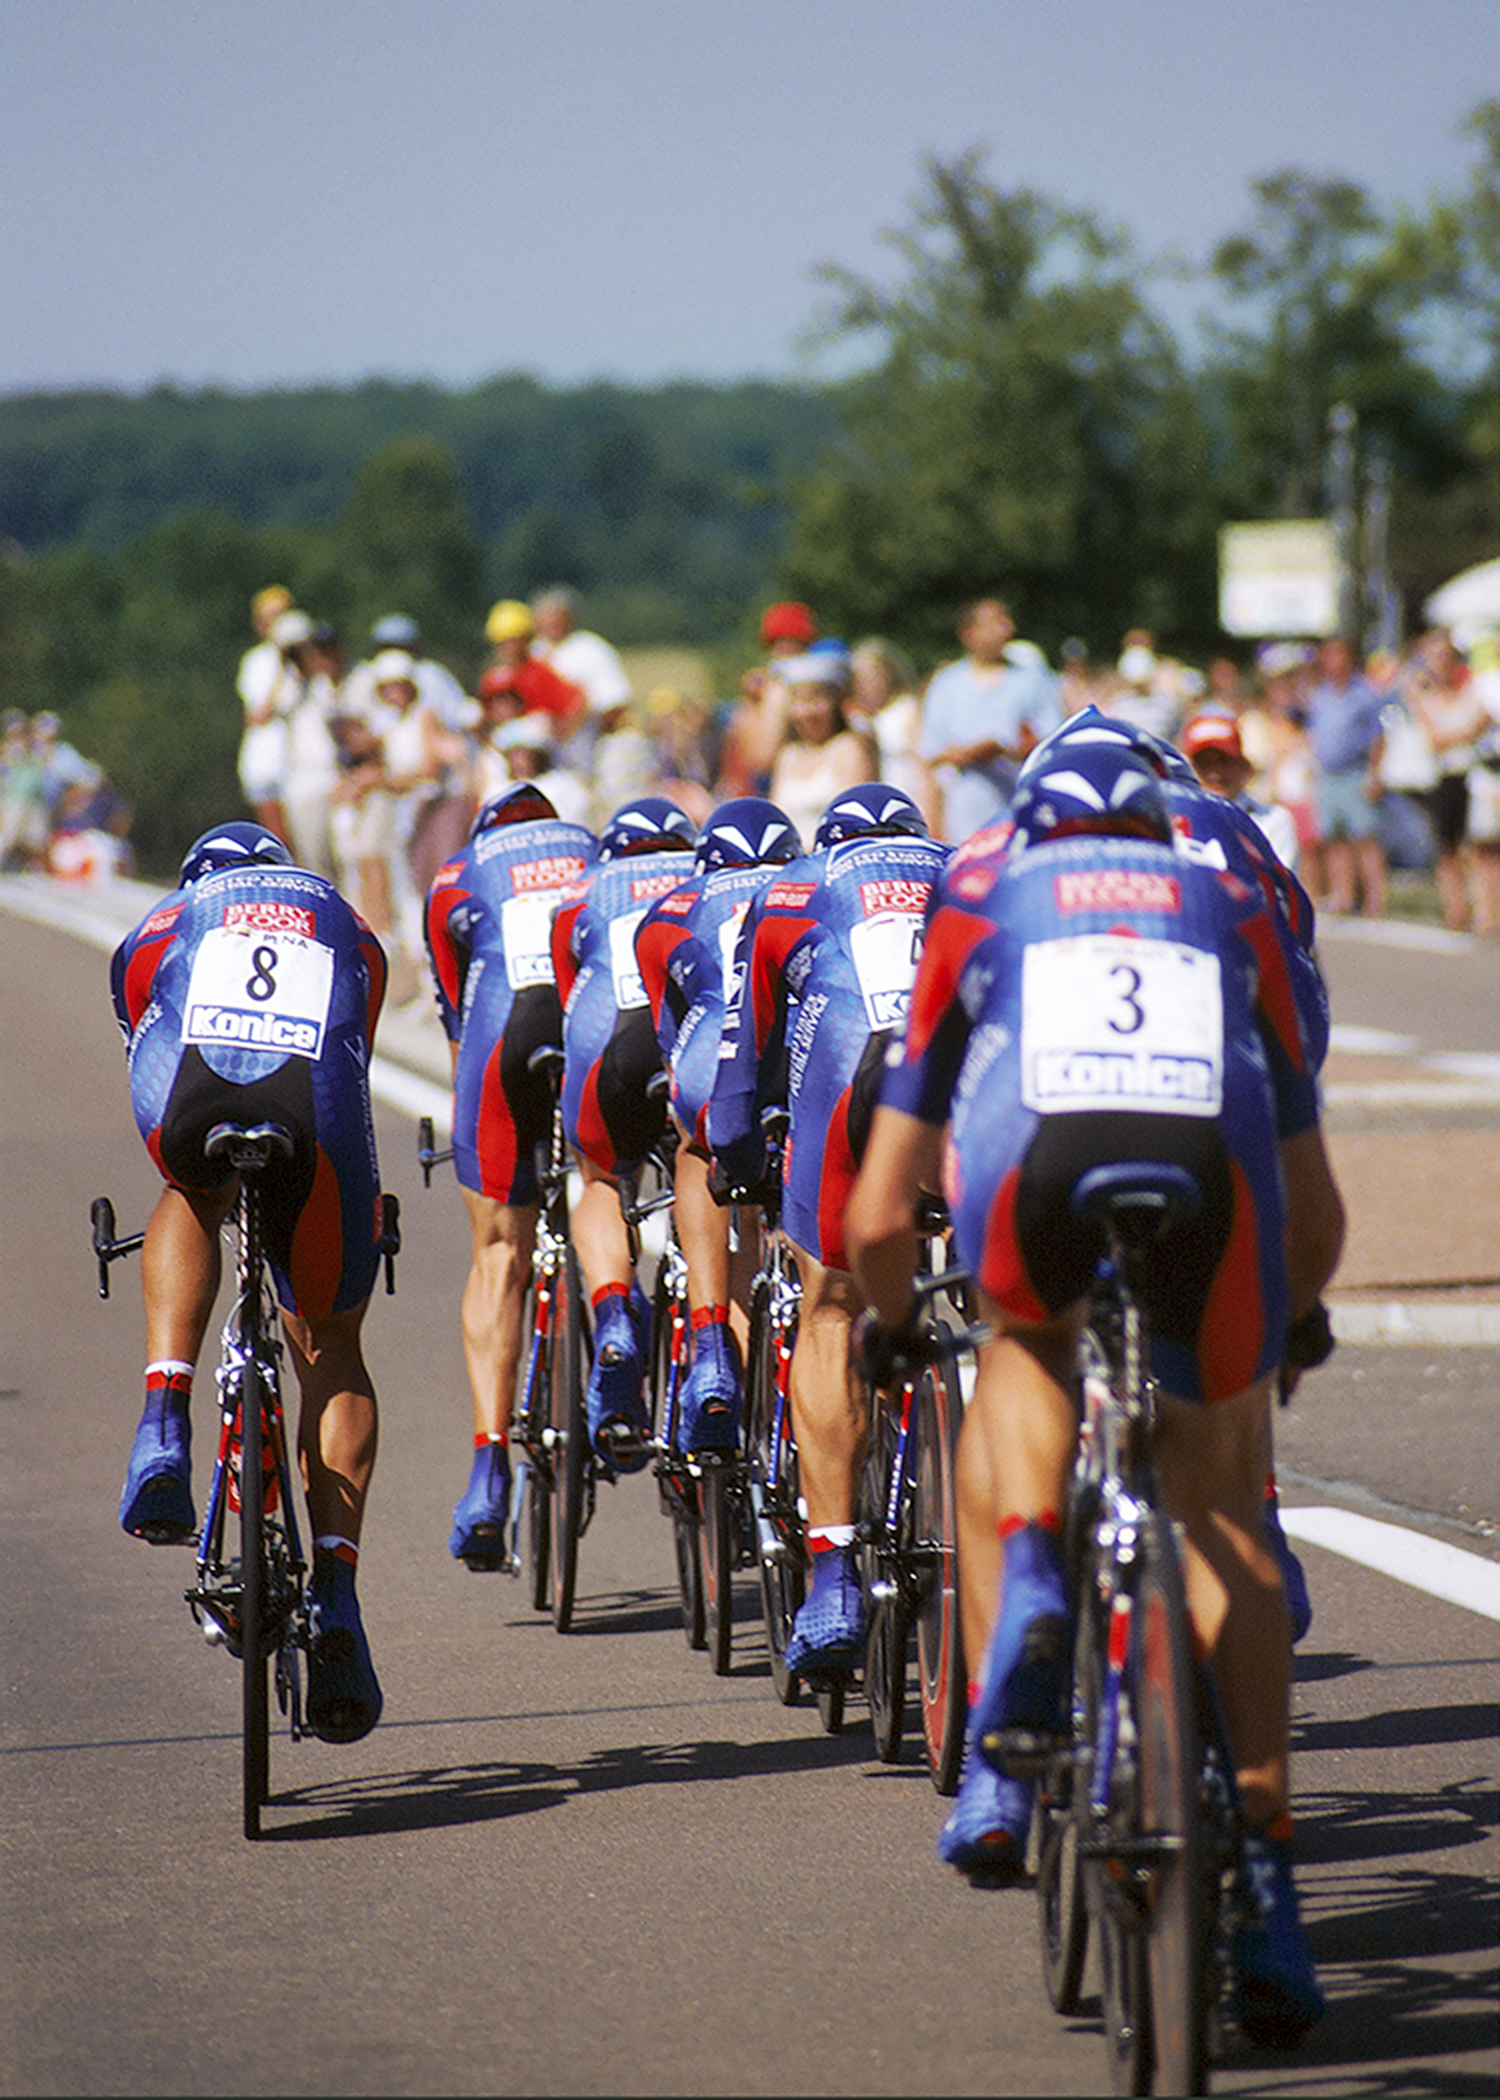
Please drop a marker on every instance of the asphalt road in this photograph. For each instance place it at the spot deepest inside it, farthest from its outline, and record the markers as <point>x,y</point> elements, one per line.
<point>512,1885</point>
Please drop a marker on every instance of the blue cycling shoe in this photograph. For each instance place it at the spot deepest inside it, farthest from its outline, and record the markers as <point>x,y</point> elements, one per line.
<point>709,1409</point>
<point>157,1502</point>
<point>1276,1995</point>
<point>1019,1713</point>
<point>343,1695</point>
<point>1293,1577</point>
<point>986,1833</point>
<point>481,1519</point>
<point>618,1428</point>
<point>828,1634</point>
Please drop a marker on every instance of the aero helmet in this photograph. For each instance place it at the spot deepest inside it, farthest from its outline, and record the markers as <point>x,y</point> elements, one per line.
<point>232,846</point>
<point>874,809</point>
<point>1091,726</point>
<point>748,832</point>
<point>520,804</point>
<point>1090,787</point>
<point>650,824</point>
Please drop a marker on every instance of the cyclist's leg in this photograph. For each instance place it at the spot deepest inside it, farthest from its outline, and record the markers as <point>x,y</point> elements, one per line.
<point>616,1394</point>
<point>712,1395</point>
<point>503,1239</point>
<point>829,1419</point>
<point>180,1270</point>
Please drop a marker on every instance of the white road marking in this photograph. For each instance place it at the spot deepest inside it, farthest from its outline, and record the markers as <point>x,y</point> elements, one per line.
<point>1406,1556</point>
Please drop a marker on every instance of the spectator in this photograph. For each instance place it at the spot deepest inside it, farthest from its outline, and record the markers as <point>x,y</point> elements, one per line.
<point>1077,686</point>
<point>541,687</point>
<point>90,832</point>
<point>823,752</point>
<point>526,749</point>
<point>1147,694</point>
<point>586,660</point>
<point>1343,719</point>
<point>1442,697</point>
<point>758,722</point>
<point>436,684</point>
<point>1289,773</point>
<point>688,743</point>
<point>1211,741</point>
<point>265,684</point>
<point>884,699</point>
<point>981,715</point>
<point>622,765</point>
<point>313,749</point>
<point>24,824</point>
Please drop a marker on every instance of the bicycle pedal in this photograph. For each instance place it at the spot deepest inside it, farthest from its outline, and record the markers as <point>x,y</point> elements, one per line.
<point>1021,1753</point>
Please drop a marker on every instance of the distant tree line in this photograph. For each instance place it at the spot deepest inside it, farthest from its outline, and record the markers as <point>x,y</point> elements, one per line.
<point>1021,418</point>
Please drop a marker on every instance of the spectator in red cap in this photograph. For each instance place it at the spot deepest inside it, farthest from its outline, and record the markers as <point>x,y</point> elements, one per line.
<point>758,726</point>
<point>1211,742</point>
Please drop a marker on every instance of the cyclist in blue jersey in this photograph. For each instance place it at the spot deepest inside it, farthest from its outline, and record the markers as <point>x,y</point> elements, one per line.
<point>1092,995</point>
<point>489,941</point>
<point>685,948</point>
<point>610,1119</point>
<point>250,994</point>
<point>824,966</point>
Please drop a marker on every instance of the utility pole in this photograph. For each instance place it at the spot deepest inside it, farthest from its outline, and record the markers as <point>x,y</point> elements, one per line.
<point>1341,427</point>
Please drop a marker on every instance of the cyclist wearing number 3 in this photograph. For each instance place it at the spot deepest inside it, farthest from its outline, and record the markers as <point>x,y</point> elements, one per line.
<point>1082,999</point>
<point>250,995</point>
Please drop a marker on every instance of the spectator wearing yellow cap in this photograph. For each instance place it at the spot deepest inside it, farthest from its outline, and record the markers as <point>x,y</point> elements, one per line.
<point>511,632</point>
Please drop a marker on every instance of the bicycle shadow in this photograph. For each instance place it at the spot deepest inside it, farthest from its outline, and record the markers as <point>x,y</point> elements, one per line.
<point>436,1798</point>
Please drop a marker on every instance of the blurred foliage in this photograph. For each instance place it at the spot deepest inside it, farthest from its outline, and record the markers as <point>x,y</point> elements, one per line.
<point>1020,418</point>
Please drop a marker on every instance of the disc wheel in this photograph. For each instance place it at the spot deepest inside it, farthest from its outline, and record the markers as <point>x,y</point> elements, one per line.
<point>535,1414</point>
<point>254,1605</point>
<point>942,1671</point>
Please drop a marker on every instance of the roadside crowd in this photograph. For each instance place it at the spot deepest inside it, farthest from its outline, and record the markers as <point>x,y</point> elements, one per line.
<point>59,812</point>
<point>371,772</point>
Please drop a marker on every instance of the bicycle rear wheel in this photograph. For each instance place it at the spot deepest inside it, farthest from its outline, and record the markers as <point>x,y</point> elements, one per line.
<point>533,1416</point>
<point>942,1672</point>
<point>778,1570</point>
<point>717,1555</point>
<point>254,1601</point>
<point>1170,1760</point>
<point>888,1617</point>
<point>570,1454</point>
<point>1062,1813</point>
<point>679,1494</point>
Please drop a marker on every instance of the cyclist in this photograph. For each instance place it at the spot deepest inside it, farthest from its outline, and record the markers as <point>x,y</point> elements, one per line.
<point>250,994</point>
<point>825,962</point>
<point>489,941</point>
<point>1222,834</point>
<point>610,1056</point>
<point>684,950</point>
<point>1088,933</point>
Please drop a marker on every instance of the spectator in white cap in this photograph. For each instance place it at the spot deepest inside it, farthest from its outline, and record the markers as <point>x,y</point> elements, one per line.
<point>269,684</point>
<point>528,752</point>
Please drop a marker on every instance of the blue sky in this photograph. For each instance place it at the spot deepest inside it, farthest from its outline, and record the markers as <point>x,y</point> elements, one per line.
<point>302,190</point>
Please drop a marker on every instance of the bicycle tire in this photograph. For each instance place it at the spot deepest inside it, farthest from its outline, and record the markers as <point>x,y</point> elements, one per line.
<point>716,1558</point>
<point>666,1380</point>
<point>779,1583</point>
<point>1170,1757</point>
<point>570,1454</point>
<point>534,1412</point>
<point>1062,1813</point>
<point>888,1617</point>
<point>254,1594</point>
<point>942,1671</point>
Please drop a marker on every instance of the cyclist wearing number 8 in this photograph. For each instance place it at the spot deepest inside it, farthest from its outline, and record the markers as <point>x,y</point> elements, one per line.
<point>489,940</point>
<point>1088,995</point>
<point>250,995</point>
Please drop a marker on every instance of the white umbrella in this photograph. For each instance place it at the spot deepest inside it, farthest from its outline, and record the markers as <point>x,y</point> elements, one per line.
<point>1469,601</point>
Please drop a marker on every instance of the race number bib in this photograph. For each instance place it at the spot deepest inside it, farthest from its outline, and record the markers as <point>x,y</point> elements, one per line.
<point>260,991</point>
<point>1112,1022</point>
<point>630,989</point>
<point>886,950</point>
<point>526,936</point>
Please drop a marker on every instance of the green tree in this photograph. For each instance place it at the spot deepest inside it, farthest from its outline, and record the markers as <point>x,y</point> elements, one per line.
<point>409,544</point>
<point>1024,426</point>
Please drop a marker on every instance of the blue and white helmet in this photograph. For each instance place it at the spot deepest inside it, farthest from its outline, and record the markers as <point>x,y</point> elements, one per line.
<point>1091,726</point>
<point>650,824</point>
<point>232,846</point>
<point>870,809</point>
<point>746,833</point>
<point>1090,787</point>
